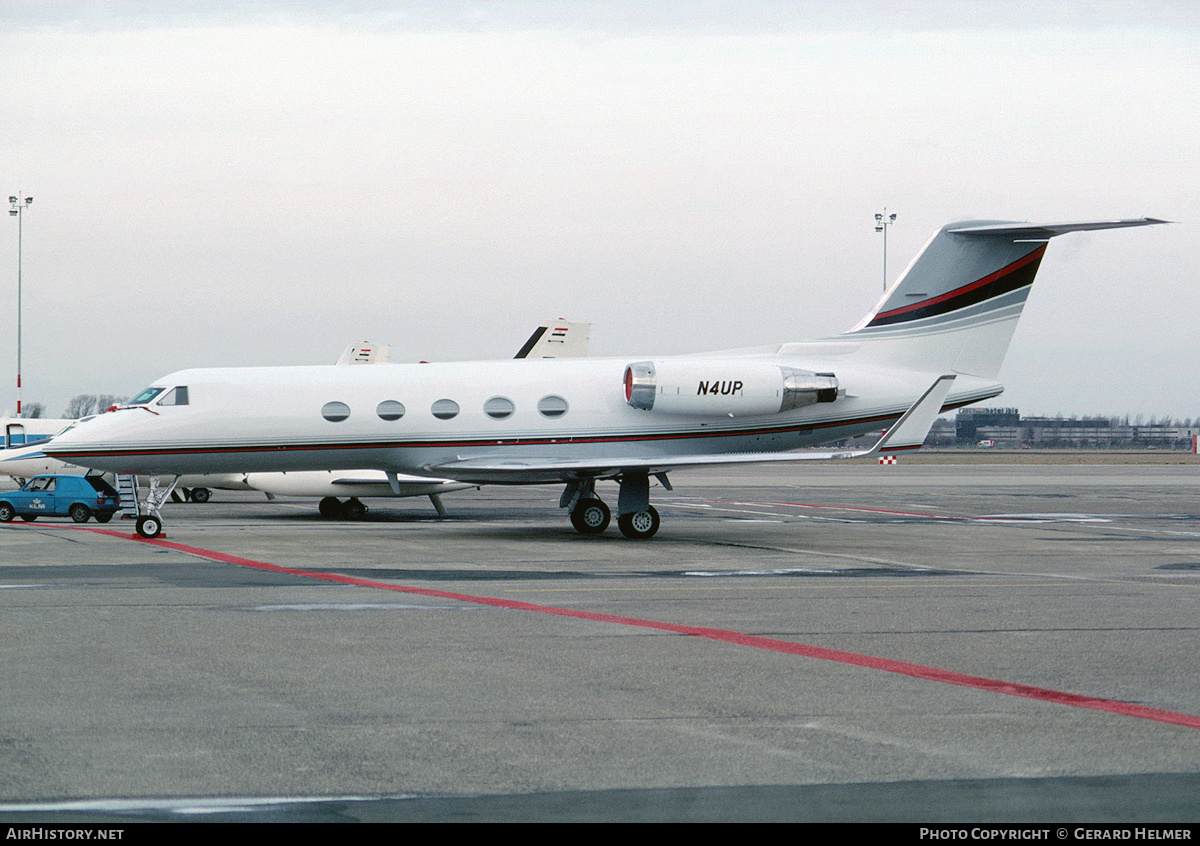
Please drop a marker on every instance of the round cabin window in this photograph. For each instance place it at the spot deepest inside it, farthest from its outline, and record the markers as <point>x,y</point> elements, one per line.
<point>444,409</point>
<point>335,412</point>
<point>552,406</point>
<point>390,410</point>
<point>498,408</point>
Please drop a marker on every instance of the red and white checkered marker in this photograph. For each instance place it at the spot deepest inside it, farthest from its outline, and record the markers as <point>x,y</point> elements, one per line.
<point>887,459</point>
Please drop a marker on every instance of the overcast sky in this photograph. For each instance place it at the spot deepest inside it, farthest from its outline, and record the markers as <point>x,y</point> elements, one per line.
<point>265,182</point>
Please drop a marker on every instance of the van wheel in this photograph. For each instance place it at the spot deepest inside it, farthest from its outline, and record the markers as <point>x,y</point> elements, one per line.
<point>7,512</point>
<point>201,494</point>
<point>79,512</point>
<point>103,518</point>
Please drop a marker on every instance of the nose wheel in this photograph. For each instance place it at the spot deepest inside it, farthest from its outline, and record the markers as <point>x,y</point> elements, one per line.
<point>149,526</point>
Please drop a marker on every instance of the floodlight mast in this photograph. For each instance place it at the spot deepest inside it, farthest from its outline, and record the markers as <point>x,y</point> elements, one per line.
<point>17,208</point>
<point>882,222</point>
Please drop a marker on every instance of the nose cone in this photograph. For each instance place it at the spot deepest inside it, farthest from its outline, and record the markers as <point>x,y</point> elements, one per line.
<point>110,442</point>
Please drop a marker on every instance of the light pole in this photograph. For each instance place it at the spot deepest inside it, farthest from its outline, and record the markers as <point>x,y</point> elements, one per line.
<point>17,210</point>
<point>882,222</point>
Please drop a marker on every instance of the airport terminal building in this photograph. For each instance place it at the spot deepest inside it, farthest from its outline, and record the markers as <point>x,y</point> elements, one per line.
<point>1005,427</point>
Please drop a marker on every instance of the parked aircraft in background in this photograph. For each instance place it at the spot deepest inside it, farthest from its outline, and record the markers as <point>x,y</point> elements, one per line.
<point>557,339</point>
<point>25,462</point>
<point>552,339</point>
<point>25,431</point>
<point>935,341</point>
<point>331,484</point>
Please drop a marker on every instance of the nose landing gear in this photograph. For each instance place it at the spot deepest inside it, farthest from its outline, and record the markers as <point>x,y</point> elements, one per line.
<point>149,523</point>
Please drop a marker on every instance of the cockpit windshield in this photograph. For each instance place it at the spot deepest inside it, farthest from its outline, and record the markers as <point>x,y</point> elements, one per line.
<point>145,396</point>
<point>176,396</point>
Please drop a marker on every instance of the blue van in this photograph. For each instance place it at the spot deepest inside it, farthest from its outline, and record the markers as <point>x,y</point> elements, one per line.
<point>77,497</point>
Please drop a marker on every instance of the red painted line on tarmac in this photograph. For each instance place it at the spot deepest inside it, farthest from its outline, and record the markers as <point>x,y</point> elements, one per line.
<point>887,665</point>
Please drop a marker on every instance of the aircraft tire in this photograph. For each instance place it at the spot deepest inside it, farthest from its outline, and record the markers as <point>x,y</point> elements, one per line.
<point>639,525</point>
<point>149,527</point>
<point>79,512</point>
<point>330,507</point>
<point>590,517</point>
<point>201,494</point>
<point>353,509</point>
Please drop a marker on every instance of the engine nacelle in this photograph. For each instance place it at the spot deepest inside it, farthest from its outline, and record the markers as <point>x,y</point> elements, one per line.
<point>724,387</point>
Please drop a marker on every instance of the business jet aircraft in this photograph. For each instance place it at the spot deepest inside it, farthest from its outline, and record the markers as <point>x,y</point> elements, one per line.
<point>552,339</point>
<point>934,342</point>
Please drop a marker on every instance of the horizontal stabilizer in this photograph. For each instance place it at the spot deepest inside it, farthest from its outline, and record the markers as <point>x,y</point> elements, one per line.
<point>1048,230</point>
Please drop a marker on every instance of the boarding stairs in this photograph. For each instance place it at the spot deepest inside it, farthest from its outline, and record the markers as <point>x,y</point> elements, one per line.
<point>127,489</point>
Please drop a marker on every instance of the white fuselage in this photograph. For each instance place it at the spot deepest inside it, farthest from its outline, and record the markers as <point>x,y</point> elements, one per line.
<point>299,418</point>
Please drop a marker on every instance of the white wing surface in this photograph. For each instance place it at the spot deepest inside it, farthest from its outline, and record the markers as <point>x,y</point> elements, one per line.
<point>908,434</point>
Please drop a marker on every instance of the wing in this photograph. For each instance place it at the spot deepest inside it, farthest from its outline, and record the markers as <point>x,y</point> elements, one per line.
<point>908,433</point>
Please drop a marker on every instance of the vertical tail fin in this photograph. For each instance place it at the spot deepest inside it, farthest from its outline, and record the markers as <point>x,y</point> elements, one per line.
<point>557,339</point>
<point>955,308</point>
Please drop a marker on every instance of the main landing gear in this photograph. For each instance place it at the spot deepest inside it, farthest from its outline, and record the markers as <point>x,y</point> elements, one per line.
<point>637,518</point>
